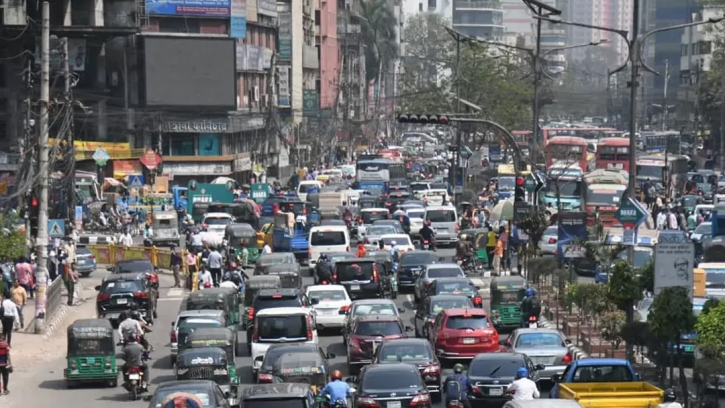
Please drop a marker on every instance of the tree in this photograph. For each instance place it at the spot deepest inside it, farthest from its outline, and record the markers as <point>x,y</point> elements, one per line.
<point>12,241</point>
<point>598,251</point>
<point>378,25</point>
<point>534,224</point>
<point>647,276</point>
<point>624,292</point>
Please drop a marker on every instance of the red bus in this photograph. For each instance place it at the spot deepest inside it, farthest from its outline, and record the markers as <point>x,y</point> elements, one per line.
<point>586,133</point>
<point>613,154</point>
<point>522,137</point>
<point>568,150</point>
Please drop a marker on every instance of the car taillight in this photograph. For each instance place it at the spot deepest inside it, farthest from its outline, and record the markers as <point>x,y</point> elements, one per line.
<point>433,369</point>
<point>250,313</point>
<point>419,400</point>
<point>92,257</point>
<point>103,297</point>
<point>344,309</point>
<point>265,378</point>
<point>255,334</point>
<point>376,278</point>
<point>552,240</point>
<point>304,211</point>
<point>173,336</point>
<point>532,318</point>
<point>567,358</point>
<point>366,402</point>
<point>153,277</point>
<point>477,391</point>
<point>141,295</point>
<point>309,328</point>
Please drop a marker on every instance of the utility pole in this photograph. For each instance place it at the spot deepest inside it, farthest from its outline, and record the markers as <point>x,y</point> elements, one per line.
<point>70,198</point>
<point>41,241</point>
<point>698,69</point>
<point>27,142</point>
<point>457,154</point>
<point>664,102</point>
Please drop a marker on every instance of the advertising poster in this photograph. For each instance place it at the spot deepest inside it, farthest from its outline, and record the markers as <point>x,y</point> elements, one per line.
<point>285,36</point>
<point>238,19</point>
<point>284,85</point>
<point>209,8</point>
<point>572,228</point>
<point>267,7</point>
<point>674,261</point>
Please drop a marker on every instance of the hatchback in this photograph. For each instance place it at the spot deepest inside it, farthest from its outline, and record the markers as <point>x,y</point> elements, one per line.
<point>463,333</point>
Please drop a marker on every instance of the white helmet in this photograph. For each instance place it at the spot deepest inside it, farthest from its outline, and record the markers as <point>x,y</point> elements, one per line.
<point>392,243</point>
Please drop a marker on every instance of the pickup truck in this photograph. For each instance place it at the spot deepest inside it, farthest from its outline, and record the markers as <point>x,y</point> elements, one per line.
<point>637,394</point>
<point>594,371</point>
<point>292,240</point>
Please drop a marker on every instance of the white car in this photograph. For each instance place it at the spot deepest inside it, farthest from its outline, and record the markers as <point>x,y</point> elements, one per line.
<point>416,219</point>
<point>402,242</point>
<point>280,325</point>
<point>331,298</point>
<point>549,241</point>
<point>216,222</point>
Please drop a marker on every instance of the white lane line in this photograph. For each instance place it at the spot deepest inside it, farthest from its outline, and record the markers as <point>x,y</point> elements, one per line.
<point>409,297</point>
<point>175,292</point>
<point>170,299</point>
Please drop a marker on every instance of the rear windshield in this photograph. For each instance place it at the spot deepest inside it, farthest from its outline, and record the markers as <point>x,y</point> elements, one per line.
<point>361,271</point>
<point>273,355</point>
<point>601,373</point>
<point>499,367</point>
<point>395,380</point>
<point>199,324</point>
<point>274,327</point>
<point>398,241</point>
<point>275,402</point>
<point>200,393</point>
<point>269,302</point>
<point>444,273</point>
<point>135,266</point>
<point>422,258</point>
<point>544,340</point>
<point>386,309</point>
<point>217,221</point>
<point>467,322</point>
<point>327,295</point>
<point>455,288</point>
<point>440,215</point>
<point>368,217</point>
<point>419,187</point>
<point>378,329</point>
<point>121,286</point>
<point>438,306</point>
<point>404,352</point>
<point>328,238</point>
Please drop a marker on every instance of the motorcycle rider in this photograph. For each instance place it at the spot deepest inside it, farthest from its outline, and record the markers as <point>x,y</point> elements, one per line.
<point>347,217</point>
<point>338,390</point>
<point>401,216</point>
<point>322,269</point>
<point>132,356</point>
<point>235,278</point>
<point>670,400</point>
<point>530,306</point>
<point>394,252</point>
<point>464,250</point>
<point>457,386</point>
<point>427,234</point>
<point>522,388</point>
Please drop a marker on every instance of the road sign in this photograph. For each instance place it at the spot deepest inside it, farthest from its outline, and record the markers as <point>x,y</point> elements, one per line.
<point>101,156</point>
<point>466,153</point>
<point>631,214</point>
<point>56,228</point>
<point>533,183</point>
<point>259,192</point>
<point>135,180</point>
<point>150,159</point>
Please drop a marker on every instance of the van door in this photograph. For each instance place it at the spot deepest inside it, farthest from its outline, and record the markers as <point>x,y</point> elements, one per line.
<point>327,240</point>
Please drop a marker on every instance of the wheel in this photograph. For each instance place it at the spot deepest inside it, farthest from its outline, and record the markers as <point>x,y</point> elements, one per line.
<point>113,383</point>
<point>134,391</point>
<point>85,274</point>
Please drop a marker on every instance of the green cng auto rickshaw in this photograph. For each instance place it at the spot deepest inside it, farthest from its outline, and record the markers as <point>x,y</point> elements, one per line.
<point>209,363</point>
<point>385,266</point>
<point>237,234</point>
<point>507,293</point>
<point>689,202</point>
<point>226,299</point>
<point>91,353</point>
<point>299,367</point>
<point>223,338</point>
<point>289,275</point>
<point>253,285</point>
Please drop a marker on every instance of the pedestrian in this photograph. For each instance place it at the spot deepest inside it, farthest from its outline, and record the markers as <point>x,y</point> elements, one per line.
<point>215,262</point>
<point>6,365</point>
<point>503,236</point>
<point>9,313</point>
<point>24,274</point>
<point>671,219</point>
<point>126,239</point>
<point>661,220</point>
<point>490,246</point>
<point>19,297</point>
<point>176,266</point>
<point>497,255</point>
<point>191,265</point>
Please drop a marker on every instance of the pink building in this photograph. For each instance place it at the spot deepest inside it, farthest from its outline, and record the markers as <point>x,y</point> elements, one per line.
<point>328,51</point>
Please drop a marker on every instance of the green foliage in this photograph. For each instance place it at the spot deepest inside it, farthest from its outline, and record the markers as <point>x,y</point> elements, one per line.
<point>709,305</point>
<point>647,276</point>
<point>637,334</point>
<point>671,314</point>
<point>12,241</point>
<point>597,250</point>
<point>624,288</point>
<point>534,224</point>
<point>592,299</point>
<point>710,329</point>
<point>612,323</point>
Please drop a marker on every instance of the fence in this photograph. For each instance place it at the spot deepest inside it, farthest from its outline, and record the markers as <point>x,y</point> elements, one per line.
<point>53,298</point>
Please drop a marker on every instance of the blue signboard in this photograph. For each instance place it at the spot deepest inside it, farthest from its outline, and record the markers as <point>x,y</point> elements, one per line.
<point>572,228</point>
<point>56,228</point>
<point>494,153</point>
<point>238,19</point>
<point>135,180</point>
<point>207,8</point>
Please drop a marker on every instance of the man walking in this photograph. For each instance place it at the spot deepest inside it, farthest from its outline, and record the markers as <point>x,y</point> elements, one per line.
<point>176,266</point>
<point>9,315</point>
<point>19,297</point>
<point>215,265</point>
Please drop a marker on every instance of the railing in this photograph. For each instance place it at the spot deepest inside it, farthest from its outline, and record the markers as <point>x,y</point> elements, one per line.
<point>53,298</point>
<point>472,4</point>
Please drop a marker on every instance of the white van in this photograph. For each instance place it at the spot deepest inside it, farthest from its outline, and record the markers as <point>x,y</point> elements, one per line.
<point>327,239</point>
<point>306,185</point>
<point>435,197</point>
<point>281,325</point>
<point>444,221</point>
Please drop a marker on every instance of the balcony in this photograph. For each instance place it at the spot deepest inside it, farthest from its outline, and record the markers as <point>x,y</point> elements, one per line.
<point>460,5</point>
<point>309,57</point>
<point>345,27</point>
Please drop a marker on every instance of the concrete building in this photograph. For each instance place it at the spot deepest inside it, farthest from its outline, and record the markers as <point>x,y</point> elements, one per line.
<point>442,7</point>
<point>326,38</point>
<point>479,18</point>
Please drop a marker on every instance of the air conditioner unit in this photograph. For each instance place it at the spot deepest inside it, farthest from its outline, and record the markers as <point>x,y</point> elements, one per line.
<point>256,94</point>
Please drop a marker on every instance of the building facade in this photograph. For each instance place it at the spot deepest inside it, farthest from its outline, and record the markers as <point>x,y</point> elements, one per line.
<point>479,18</point>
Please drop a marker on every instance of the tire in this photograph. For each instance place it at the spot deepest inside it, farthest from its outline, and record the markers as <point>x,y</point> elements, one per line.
<point>134,391</point>
<point>113,383</point>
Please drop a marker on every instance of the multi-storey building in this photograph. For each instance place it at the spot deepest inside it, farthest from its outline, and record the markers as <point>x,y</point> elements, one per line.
<point>479,18</point>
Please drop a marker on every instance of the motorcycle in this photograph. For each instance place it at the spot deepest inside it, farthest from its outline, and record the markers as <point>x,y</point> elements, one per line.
<point>426,245</point>
<point>393,281</point>
<point>134,382</point>
<point>533,322</point>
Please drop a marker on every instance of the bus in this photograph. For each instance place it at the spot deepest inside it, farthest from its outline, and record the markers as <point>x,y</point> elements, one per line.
<point>564,180</point>
<point>591,133</point>
<point>568,149</point>
<point>659,142</point>
<point>668,172</point>
<point>613,154</point>
<point>522,138</point>
<point>376,175</point>
<point>602,195</point>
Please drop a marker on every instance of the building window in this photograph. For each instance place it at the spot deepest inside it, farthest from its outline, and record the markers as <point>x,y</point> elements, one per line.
<point>179,25</point>
<point>420,6</point>
<point>209,144</point>
<point>432,4</point>
<point>705,47</point>
<point>179,144</point>
<point>683,50</point>
<point>695,49</point>
<point>317,17</point>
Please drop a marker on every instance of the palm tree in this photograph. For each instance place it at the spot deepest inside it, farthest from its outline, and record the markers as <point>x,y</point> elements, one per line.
<point>378,25</point>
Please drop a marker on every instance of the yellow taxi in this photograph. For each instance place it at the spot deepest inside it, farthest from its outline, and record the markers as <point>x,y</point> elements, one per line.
<point>264,236</point>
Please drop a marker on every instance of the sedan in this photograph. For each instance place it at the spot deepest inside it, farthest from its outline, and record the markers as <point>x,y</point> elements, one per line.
<point>547,347</point>
<point>367,333</point>
<point>216,222</point>
<point>417,352</point>
<point>402,242</point>
<point>207,391</point>
<point>85,261</point>
<point>374,233</point>
<point>411,266</point>
<point>331,298</point>
<point>491,373</point>
<point>392,386</point>
<point>366,307</point>
<point>428,309</point>
<point>432,272</point>
<point>395,223</point>
<point>548,243</point>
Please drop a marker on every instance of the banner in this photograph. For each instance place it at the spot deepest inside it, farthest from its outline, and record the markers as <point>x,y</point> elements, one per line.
<point>285,36</point>
<point>267,7</point>
<point>310,103</point>
<point>208,8</point>
<point>238,19</point>
<point>284,85</point>
<point>572,228</point>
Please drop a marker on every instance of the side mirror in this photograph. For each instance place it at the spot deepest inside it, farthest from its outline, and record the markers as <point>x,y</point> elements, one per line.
<point>556,378</point>
<point>539,367</point>
<point>567,341</point>
<point>331,356</point>
<point>401,310</point>
<point>409,329</point>
<point>98,287</point>
<point>314,301</point>
<point>109,269</point>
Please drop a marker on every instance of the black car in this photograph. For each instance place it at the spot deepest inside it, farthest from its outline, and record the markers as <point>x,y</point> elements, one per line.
<point>454,286</point>
<point>360,277</point>
<point>491,373</point>
<point>207,391</point>
<point>391,386</point>
<point>280,395</point>
<point>411,265</point>
<point>429,307</point>
<point>271,298</point>
<point>138,266</point>
<point>264,374</point>
<point>417,352</point>
<point>396,198</point>
<point>118,292</point>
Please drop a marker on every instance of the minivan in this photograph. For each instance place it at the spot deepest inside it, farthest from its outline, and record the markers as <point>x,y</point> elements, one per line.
<point>306,185</point>
<point>327,239</point>
<point>444,221</point>
<point>281,325</point>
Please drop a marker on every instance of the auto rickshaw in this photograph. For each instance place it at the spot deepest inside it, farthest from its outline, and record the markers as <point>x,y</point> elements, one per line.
<point>368,202</point>
<point>289,275</point>
<point>306,368</point>
<point>388,270</point>
<point>208,363</point>
<point>237,234</point>
<point>253,285</point>
<point>480,239</point>
<point>507,293</point>
<point>226,299</point>
<point>223,338</point>
<point>689,202</point>
<point>165,228</point>
<point>91,353</point>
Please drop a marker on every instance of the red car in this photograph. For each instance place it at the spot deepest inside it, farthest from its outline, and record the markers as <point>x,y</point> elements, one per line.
<point>367,333</point>
<point>462,333</point>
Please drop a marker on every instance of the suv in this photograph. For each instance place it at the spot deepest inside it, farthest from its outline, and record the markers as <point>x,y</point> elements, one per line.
<point>367,333</point>
<point>463,333</point>
<point>360,277</point>
<point>138,266</point>
<point>417,352</point>
<point>278,395</point>
<point>271,298</point>
<point>118,292</point>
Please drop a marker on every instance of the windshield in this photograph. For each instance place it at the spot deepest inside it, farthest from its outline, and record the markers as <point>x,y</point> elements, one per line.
<point>327,295</point>
<point>405,352</point>
<point>368,217</point>
<point>421,258</point>
<point>275,327</point>
<point>438,306</point>
<point>506,183</point>
<point>543,340</point>
<point>445,272</point>
<point>455,288</point>
<point>134,266</point>
<point>382,230</point>
<point>396,380</point>
<point>651,172</point>
<point>201,394</point>
<point>418,187</point>
<point>386,309</point>
<point>328,238</point>
<point>567,188</point>
<point>357,271</point>
<point>715,279</point>
<point>399,240</point>
<point>217,221</point>
<point>603,197</point>
<point>499,367</point>
<point>199,324</point>
<point>440,215</point>
<point>704,228</point>
<point>276,403</point>
<point>119,286</point>
<point>378,329</point>
<point>602,373</point>
<point>467,322</point>
<point>641,257</point>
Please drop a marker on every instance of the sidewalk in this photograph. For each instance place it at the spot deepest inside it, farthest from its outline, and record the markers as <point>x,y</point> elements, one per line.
<point>29,309</point>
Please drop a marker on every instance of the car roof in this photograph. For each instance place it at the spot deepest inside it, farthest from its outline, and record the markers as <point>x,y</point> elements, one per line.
<point>373,302</point>
<point>325,287</point>
<point>446,265</point>
<point>276,391</point>
<point>278,291</point>
<point>377,318</point>
<point>373,209</point>
<point>446,297</point>
<point>386,222</point>
<point>398,367</point>
<point>202,313</point>
<point>183,384</point>
<point>407,340</point>
<point>454,279</point>
<point>277,311</point>
<point>419,251</point>
<point>602,361</point>
<point>465,311</point>
<point>497,356</point>
<point>295,347</point>
<point>218,215</point>
<point>406,236</point>
<point>538,331</point>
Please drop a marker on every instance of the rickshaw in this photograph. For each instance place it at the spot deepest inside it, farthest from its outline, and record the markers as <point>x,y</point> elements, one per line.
<point>689,202</point>
<point>208,363</point>
<point>253,285</point>
<point>289,275</point>
<point>91,353</point>
<point>507,293</point>
<point>388,270</point>
<point>237,234</point>
<point>226,299</point>
<point>223,338</point>
<point>302,367</point>
<point>165,228</point>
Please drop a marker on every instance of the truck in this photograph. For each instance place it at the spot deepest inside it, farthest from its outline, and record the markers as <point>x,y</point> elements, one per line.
<point>200,195</point>
<point>602,195</point>
<point>332,200</point>
<point>290,236</point>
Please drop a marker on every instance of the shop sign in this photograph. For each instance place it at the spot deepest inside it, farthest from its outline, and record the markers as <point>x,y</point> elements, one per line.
<point>205,168</point>
<point>242,164</point>
<point>196,126</point>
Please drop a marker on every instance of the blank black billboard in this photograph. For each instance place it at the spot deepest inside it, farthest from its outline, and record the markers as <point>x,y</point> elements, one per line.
<point>189,72</point>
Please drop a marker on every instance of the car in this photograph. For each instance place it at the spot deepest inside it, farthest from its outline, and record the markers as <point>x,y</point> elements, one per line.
<point>361,277</point>
<point>411,266</point>
<point>392,386</point>
<point>265,260</point>
<point>216,222</point>
<point>374,232</point>
<point>366,335</point>
<point>462,333</point>
<point>704,228</point>
<point>402,242</point>
<point>432,272</point>
<point>141,267</point>
<point>290,395</point>
<point>117,292</point>
<point>365,307</point>
<point>491,373</point>
<point>642,255</point>
<point>417,352</point>
<point>548,244</point>
<point>444,220</point>
<point>428,309</point>
<point>264,374</point>
<point>200,315</point>
<point>547,347</point>
<point>415,215</point>
<point>273,298</point>
<point>396,198</point>
<point>85,261</point>
<point>366,218</point>
<point>330,298</point>
<point>395,223</point>
<point>280,325</point>
<point>208,392</point>
<point>454,286</point>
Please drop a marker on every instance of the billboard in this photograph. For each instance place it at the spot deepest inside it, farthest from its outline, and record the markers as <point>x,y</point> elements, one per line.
<point>267,7</point>
<point>206,8</point>
<point>178,72</point>
<point>572,228</point>
<point>284,36</point>
<point>674,261</point>
<point>283,86</point>
<point>238,19</point>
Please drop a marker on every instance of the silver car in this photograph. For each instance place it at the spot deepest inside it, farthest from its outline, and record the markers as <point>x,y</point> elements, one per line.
<point>374,233</point>
<point>433,272</point>
<point>549,240</point>
<point>543,346</point>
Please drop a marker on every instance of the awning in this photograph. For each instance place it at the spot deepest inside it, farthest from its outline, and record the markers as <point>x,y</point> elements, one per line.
<point>123,168</point>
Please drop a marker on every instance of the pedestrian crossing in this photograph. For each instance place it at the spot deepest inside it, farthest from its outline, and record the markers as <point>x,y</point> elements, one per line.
<point>174,294</point>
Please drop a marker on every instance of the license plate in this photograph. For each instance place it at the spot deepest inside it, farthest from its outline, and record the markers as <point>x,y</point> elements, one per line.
<point>495,391</point>
<point>689,348</point>
<point>121,301</point>
<point>81,262</point>
<point>394,404</point>
<point>533,325</point>
<point>133,377</point>
<point>354,287</point>
<point>469,341</point>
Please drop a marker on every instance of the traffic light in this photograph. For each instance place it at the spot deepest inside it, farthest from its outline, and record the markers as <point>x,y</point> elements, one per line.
<point>519,192</point>
<point>424,119</point>
<point>33,214</point>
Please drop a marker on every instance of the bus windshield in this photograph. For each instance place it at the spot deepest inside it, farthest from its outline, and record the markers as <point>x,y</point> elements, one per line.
<point>566,152</point>
<point>650,171</point>
<point>603,197</point>
<point>566,188</point>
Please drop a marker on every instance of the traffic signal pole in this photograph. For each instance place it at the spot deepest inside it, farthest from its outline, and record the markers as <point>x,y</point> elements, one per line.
<point>457,154</point>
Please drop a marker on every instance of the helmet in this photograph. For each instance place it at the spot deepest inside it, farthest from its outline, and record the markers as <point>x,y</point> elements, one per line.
<point>529,292</point>
<point>336,375</point>
<point>522,372</point>
<point>458,368</point>
<point>670,395</point>
<point>233,265</point>
<point>464,237</point>
<point>323,257</point>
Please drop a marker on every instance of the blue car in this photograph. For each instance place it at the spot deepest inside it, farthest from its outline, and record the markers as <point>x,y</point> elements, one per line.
<point>85,261</point>
<point>642,255</point>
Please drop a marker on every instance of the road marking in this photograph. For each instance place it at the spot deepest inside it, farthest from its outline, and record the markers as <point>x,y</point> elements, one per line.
<point>409,297</point>
<point>169,299</point>
<point>176,292</point>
